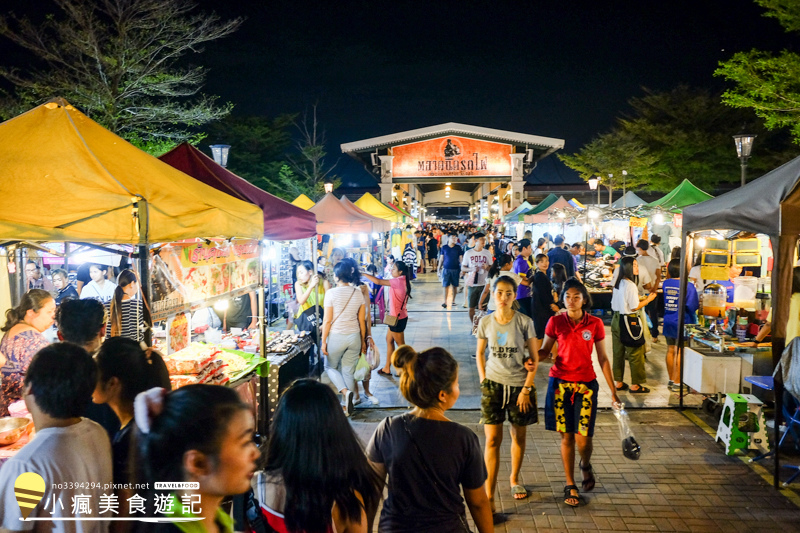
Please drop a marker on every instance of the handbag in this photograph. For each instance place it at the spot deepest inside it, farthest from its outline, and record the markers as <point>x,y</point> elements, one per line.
<point>390,319</point>
<point>479,314</point>
<point>631,330</point>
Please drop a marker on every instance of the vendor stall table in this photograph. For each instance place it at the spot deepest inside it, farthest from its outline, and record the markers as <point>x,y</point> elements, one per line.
<point>282,370</point>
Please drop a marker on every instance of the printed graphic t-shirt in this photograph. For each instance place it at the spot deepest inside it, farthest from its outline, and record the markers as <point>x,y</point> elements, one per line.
<point>474,259</point>
<point>508,348</point>
<point>575,345</point>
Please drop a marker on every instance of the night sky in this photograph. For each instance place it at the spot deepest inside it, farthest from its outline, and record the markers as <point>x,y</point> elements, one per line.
<point>557,69</point>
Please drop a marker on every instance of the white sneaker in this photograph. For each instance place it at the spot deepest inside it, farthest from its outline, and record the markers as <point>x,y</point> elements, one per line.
<point>373,400</point>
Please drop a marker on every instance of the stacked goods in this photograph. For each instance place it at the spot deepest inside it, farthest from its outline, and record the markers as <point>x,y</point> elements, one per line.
<point>198,363</point>
<point>284,342</point>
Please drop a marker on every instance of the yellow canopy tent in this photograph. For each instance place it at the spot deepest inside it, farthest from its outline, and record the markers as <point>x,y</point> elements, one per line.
<point>374,207</point>
<point>303,202</point>
<point>63,177</point>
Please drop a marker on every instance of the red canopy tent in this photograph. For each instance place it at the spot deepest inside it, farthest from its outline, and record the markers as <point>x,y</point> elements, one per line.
<point>282,220</point>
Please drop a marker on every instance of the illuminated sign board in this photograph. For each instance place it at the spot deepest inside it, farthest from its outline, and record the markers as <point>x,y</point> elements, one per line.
<point>451,156</point>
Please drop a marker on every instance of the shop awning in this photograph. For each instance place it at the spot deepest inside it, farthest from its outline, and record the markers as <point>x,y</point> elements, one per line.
<point>63,177</point>
<point>334,217</point>
<point>683,195</point>
<point>376,208</point>
<point>514,216</point>
<point>543,216</point>
<point>379,225</point>
<point>549,200</point>
<point>400,210</point>
<point>282,220</point>
<point>629,200</point>
<point>303,202</point>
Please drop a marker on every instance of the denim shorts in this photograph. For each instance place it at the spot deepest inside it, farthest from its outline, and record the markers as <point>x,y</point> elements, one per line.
<point>450,277</point>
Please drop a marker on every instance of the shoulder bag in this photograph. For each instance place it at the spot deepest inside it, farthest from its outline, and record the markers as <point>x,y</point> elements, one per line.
<point>631,330</point>
<point>390,319</point>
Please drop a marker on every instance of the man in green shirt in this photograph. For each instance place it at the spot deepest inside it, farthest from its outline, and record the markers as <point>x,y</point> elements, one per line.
<point>601,250</point>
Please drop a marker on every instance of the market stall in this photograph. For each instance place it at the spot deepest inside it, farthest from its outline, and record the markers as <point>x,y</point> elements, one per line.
<point>769,205</point>
<point>376,208</point>
<point>285,226</point>
<point>91,189</point>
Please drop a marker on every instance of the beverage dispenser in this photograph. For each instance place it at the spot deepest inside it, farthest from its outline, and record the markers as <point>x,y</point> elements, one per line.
<point>714,300</point>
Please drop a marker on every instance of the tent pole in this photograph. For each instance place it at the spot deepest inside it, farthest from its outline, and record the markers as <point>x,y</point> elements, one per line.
<point>144,262</point>
<point>262,323</point>
<point>318,326</point>
<point>686,264</point>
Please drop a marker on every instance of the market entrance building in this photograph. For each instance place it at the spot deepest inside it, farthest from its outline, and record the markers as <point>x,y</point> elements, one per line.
<point>453,165</point>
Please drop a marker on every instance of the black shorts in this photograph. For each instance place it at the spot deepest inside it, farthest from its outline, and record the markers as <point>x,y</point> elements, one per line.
<point>571,407</point>
<point>400,327</point>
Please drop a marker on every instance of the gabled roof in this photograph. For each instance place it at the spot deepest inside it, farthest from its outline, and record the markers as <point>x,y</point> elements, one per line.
<point>631,200</point>
<point>513,216</point>
<point>549,200</point>
<point>453,128</point>
<point>303,202</point>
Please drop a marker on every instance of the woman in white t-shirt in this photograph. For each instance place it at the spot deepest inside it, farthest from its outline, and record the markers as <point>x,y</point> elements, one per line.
<point>501,267</point>
<point>343,332</point>
<point>625,301</point>
<point>100,288</point>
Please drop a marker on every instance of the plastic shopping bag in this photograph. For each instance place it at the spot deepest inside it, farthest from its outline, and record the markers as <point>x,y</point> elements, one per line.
<point>373,355</point>
<point>479,314</point>
<point>363,369</point>
<point>630,448</point>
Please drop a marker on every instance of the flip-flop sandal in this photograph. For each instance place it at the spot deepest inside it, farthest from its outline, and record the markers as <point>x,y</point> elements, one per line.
<point>624,386</point>
<point>385,374</point>
<point>641,390</point>
<point>517,490</point>
<point>568,496</point>
<point>589,483</point>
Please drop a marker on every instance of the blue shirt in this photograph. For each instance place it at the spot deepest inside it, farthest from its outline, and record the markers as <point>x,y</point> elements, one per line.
<point>452,257</point>
<point>522,267</point>
<point>672,298</point>
<point>560,255</point>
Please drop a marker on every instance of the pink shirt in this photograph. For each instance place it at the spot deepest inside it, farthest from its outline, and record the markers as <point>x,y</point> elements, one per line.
<point>397,296</point>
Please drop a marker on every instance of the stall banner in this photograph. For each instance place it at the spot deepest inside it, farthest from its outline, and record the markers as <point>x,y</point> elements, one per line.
<point>179,334</point>
<point>451,156</point>
<point>636,222</point>
<point>183,275</point>
<point>677,220</point>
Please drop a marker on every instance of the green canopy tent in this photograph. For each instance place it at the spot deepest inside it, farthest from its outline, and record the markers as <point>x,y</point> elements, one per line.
<point>541,206</point>
<point>683,195</point>
<point>515,215</point>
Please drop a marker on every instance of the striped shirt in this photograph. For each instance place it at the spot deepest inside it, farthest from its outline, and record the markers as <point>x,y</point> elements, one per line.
<point>345,301</point>
<point>132,324</point>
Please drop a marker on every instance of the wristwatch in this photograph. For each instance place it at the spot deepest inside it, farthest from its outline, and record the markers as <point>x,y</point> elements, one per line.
<point>529,389</point>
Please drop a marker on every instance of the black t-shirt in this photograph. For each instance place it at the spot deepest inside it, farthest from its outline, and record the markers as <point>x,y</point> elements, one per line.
<point>120,451</point>
<point>239,314</point>
<point>416,503</point>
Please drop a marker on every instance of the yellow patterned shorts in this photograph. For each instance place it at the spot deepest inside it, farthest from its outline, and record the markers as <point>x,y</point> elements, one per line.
<point>571,407</point>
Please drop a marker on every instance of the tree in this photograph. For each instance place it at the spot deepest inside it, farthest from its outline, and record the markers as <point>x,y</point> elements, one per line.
<point>118,61</point>
<point>309,163</point>
<point>258,150</point>
<point>768,83</point>
<point>680,134</point>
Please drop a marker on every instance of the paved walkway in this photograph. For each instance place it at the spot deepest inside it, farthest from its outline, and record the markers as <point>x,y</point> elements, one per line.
<point>682,482</point>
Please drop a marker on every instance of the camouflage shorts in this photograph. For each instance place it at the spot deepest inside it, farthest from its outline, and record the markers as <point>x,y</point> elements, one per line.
<point>494,408</point>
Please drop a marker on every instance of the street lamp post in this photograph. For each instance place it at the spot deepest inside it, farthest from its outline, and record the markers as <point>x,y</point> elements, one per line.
<point>220,153</point>
<point>624,178</point>
<point>328,187</point>
<point>744,145</point>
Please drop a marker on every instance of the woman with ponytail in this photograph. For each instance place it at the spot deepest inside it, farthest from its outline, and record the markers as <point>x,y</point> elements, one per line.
<point>125,370</point>
<point>23,337</point>
<point>129,316</point>
<point>428,458</point>
<point>399,293</point>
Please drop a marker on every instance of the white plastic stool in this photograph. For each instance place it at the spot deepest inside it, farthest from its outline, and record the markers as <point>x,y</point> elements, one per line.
<point>742,425</point>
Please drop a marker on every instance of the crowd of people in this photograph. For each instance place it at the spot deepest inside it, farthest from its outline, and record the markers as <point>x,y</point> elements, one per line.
<point>103,409</point>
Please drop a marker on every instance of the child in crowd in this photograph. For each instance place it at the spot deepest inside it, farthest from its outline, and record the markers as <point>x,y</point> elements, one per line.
<point>428,458</point>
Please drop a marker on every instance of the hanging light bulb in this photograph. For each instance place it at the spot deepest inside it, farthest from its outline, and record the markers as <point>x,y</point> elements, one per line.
<point>658,218</point>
